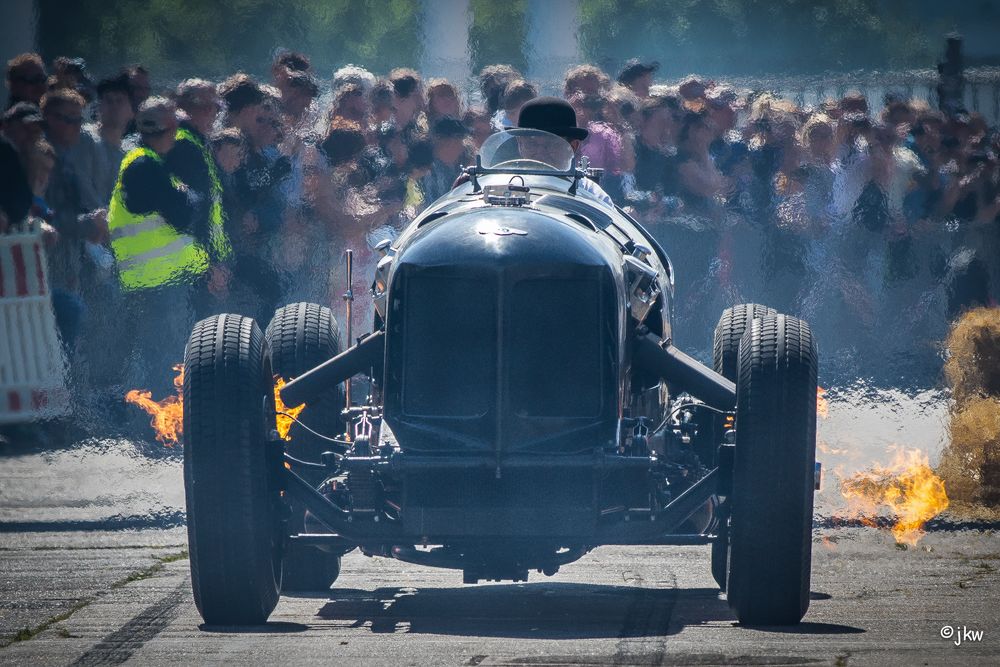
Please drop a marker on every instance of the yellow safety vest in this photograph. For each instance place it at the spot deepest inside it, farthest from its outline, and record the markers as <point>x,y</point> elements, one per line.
<point>150,252</point>
<point>216,221</point>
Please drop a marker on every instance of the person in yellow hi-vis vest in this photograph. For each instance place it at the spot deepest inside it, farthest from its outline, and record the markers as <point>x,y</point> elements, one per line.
<point>161,264</point>
<point>192,162</point>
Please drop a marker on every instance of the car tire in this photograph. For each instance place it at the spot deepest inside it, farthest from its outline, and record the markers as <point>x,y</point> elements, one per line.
<point>233,503</point>
<point>725,360</point>
<point>728,333</point>
<point>303,336</point>
<point>771,507</point>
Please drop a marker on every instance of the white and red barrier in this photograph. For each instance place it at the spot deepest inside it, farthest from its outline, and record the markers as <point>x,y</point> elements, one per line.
<point>32,366</point>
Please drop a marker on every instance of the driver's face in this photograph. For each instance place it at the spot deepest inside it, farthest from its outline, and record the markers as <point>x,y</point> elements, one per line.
<point>546,149</point>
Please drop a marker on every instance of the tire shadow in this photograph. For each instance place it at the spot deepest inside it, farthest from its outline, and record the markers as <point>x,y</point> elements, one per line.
<point>544,610</point>
<point>269,628</point>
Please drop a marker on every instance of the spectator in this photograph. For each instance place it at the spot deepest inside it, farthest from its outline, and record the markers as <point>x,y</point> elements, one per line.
<point>638,76</point>
<point>259,180</point>
<point>23,128</point>
<point>284,65</point>
<point>229,149</point>
<point>243,98</point>
<point>603,145</point>
<point>854,103</point>
<point>354,74</point>
<point>381,97</point>
<point>159,272</point>
<point>336,198</point>
<point>699,178</point>
<point>693,92</point>
<point>72,73</point>
<point>15,195</point>
<point>79,214</point>
<point>191,161</point>
<point>81,163</point>
<point>114,114</point>
<point>350,104</point>
<point>442,101</point>
<point>387,158</point>
<point>26,79</point>
<point>418,165</point>
<point>257,186</point>
<point>301,126</point>
<point>300,92</point>
<point>477,123</point>
<point>587,79</point>
<point>41,161</point>
<point>139,85</point>
<point>514,97</point>
<point>655,166</point>
<point>493,80</point>
<point>408,102</point>
<point>448,137</point>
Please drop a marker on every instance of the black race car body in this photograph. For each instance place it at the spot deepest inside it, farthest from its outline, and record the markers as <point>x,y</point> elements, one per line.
<point>526,403</point>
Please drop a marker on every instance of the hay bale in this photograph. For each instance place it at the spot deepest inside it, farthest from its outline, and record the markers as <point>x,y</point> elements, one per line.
<point>970,464</point>
<point>973,366</point>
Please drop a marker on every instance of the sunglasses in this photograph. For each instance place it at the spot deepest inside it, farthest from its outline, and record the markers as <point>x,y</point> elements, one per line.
<point>264,120</point>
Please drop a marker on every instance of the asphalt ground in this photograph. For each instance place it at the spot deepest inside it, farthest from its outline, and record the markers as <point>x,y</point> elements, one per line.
<point>114,597</point>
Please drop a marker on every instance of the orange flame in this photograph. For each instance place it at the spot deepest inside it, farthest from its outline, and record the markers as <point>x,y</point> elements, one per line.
<point>822,406</point>
<point>284,420</point>
<point>167,415</point>
<point>907,487</point>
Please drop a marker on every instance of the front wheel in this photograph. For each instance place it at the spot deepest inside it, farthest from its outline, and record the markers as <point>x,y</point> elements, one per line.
<point>233,517</point>
<point>770,531</point>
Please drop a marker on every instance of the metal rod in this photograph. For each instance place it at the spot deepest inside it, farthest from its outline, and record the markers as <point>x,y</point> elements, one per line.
<point>349,299</point>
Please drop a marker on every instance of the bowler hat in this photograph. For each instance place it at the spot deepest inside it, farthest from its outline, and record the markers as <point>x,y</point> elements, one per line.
<point>551,114</point>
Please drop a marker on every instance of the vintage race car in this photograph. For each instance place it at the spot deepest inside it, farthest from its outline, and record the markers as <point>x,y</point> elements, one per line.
<point>524,404</point>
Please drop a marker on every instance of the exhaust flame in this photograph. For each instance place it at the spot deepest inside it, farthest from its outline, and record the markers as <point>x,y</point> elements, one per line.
<point>822,406</point>
<point>907,487</point>
<point>284,420</point>
<point>167,415</point>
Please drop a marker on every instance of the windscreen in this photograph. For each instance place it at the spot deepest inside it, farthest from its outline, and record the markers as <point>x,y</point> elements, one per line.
<point>526,149</point>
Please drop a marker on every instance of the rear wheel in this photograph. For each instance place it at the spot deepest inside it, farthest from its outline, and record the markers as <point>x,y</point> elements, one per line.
<point>725,360</point>
<point>770,531</point>
<point>303,336</point>
<point>234,529</point>
<point>728,333</point>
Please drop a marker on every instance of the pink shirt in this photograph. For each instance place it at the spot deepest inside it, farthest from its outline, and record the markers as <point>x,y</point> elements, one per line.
<point>604,147</point>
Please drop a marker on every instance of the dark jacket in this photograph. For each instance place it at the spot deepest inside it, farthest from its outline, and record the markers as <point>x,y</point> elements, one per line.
<point>15,192</point>
<point>147,188</point>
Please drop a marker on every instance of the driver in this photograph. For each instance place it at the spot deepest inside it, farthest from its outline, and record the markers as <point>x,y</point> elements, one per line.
<point>556,116</point>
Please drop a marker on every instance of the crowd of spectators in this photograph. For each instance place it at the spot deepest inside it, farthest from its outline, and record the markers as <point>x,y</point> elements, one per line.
<point>831,213</point>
